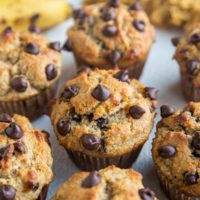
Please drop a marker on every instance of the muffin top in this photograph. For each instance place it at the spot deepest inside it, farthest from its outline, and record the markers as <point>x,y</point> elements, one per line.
<point>25,159</point>
<point>29,63</point>
<point>111,34</point>
<point>188,53</point>
<point>176,147</point>
<point>110,183</point>
<point>103,113</point>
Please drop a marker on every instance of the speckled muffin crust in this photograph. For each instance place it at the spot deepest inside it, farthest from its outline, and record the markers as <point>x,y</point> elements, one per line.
<point>103,114</point>
<point>188,57</point>
<point>111,183</point>
<point>110,34</point>
<point>29,65</point>
<point>176,151</point>
<point>25,160</point>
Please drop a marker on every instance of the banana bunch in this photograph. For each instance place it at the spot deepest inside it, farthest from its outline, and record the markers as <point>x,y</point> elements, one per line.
<point>19,14</point>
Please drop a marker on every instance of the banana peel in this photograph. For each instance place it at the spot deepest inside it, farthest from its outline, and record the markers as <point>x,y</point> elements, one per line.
<point>19,13</point>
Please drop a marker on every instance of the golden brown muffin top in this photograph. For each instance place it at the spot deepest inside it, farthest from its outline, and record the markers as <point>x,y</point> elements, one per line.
<point>104,113</point>
<point>176,147</point>
<point>25,159</point>
<point>29,63</point>
<point>188,53</point>
<point>109,34</point>
<point>111,183</point>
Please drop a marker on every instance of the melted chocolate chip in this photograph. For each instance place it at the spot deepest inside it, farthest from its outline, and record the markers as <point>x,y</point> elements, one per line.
<point>109,15</point>
<point>34,18</point>
<point>114,57</point>
<point>136,6</point>
<point>19,83</point>
<point>175,41</point>
<point>122,76</point>
<point>167,151</point>
<point>78,13</point>
<point>110,30</point>
<point>167,111</point>
<point>67,45</point>
<point>151,93</point>
<point>51,72</point>
<point>101,93</point>
<point>90,142</point>
<point>102,122</point>
<point>74,116</point>
<point>196,140</point>
<point>3,153</point>
<point>146,194</point>
<point>34,29</point>
<point>139,25</point>
<point>92,180</point>
<point>13,131</point>
<point>63,126</point>
<point>90,117</point>
<point>195,38</point>
<point>5,117</point>
<point>114,3</point>
<point>70,92</point>
<point>32,186</point>
<point>32,48</point>
<point>136,112</point>
<point>55,46</point>
<point>190,178</point>
<point>20,147</point>
<point>191,66</point>
<point>7,192</point>
<point>7,30</point>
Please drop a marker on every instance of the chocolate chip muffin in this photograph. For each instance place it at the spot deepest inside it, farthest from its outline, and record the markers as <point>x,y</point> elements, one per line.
<point>30,67</point>
<point>176,151</point>
<point>110,35</point>
<point>102,117</point>
<point>188,57</point>
<point>109,183</point>
<point>25,160</point>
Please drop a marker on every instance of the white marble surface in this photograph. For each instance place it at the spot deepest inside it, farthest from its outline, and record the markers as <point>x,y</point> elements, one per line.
<point>161,71</point>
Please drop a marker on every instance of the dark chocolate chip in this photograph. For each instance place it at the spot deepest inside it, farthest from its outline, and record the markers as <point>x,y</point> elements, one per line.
<point>175,41</point>
<point>63,126</point>
<point>55,46</point>
<point>110,30</point>
<point>32,48</point>
<point>7,30</point>
<point>167,151</point>
<point>114,3</point>
<point>3,153</point>
<point>92,180</point>
<point>70,92</point>
<point>14,131</point>
<point>102,122</point>
<point>195,38</point>
<point>146,194</point>
<point>191,66</point>
<point>5,117</point>
<point>67,45</point>
<point>34,18</point>
<point>122,75</point>
<point>74,116</point>
<point>7,192</point>
<point>20,147</point>
<point>101,93</point>
<point>19,83</point>
<point>114,57</point>
<point>167,111</point>
<point>196,140</point>
<point>136,6</point>
<point>136,112</point>
<point>51,72</point>
<point>109,15</point>
<point>90,117</point>
<point>90,142</point>
<point>191,178</point>
<point>78,13</point>
<point>34,29</point>
<point>139,25</point>
<point>32,186</point>
<point>151,93</point>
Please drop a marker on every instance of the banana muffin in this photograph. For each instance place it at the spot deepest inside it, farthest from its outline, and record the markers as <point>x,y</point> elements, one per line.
<point>25,160</point>
<point>111,183</point>
<point>176,152</point>
<point>30,67</point>
<point>188,57</point>
<point>102,118</point>
<point>111,34</point>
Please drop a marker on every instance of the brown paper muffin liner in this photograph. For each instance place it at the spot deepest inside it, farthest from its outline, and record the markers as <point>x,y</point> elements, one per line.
<point>32,107</point>
<point>90,163</point>
<point>171,191</point>
<point>43,193</point>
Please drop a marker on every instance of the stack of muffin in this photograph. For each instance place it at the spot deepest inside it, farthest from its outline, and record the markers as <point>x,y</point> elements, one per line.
<point>103,116</point>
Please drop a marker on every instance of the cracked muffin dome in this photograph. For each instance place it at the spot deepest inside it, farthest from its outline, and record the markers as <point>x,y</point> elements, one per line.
<point>188,57</point>
<point>176,151</point>
<point>25,160</point>
<point>111,183</point>
<point>30,66</point>
<point>102,117</point>
<point>108,34</point>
